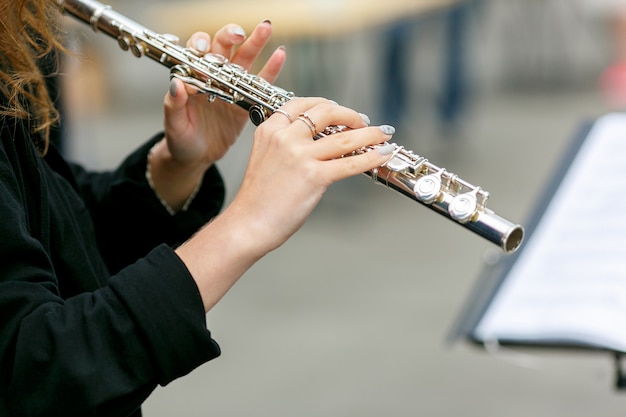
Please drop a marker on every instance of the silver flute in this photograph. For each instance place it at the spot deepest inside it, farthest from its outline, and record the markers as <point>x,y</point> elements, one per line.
<point>213,75</point>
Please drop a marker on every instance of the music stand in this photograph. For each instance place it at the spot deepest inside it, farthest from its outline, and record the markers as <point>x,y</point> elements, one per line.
<point>566,286</point>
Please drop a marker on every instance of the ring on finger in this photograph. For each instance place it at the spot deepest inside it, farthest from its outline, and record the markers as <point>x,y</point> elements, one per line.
<point>304,117</point>
<point>284,113</point>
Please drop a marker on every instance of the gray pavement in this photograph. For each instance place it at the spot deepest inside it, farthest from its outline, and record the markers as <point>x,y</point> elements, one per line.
<point>351,317</point>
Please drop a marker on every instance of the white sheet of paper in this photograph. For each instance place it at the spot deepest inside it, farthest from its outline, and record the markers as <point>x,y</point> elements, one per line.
<point>569,283</point>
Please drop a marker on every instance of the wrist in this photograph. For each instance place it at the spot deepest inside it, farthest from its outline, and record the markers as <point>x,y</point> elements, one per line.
<point>174,183</point>
<point>218,255</point>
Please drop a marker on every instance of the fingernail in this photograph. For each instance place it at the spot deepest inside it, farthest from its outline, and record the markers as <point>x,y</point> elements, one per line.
<point>201,45</point>
<point>267,21</point>
<point>386,149</point>
<point>388,130</point>
<point>365,118</point>
<point>173,88</point>
<point>238,31</point>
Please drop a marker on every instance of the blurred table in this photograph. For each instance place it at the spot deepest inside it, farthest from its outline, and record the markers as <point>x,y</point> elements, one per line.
<point>290,18</point>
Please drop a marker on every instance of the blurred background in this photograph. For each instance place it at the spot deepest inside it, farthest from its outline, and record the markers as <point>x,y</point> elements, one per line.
<point>352,316</point>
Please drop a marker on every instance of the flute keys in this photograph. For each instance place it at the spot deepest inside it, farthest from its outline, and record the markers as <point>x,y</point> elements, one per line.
<point>428,188</point>
<point>137,49</point>
<point>257,114</point>
<point>398,165</point>
<point>124,41</point>
<point>463,207</point>
<point>171,38</point>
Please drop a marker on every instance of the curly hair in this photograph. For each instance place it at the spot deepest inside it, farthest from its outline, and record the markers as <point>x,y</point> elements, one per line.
<point>28,31</point>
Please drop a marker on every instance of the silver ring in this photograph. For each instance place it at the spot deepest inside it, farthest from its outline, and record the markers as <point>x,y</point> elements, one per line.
<point>284,113</point>
<point>309,122</point>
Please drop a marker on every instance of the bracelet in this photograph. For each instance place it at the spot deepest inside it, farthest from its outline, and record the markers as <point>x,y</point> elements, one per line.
<point>164,203</point>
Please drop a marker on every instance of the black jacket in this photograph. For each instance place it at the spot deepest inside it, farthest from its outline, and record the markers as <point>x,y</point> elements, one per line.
<point>95,307</point>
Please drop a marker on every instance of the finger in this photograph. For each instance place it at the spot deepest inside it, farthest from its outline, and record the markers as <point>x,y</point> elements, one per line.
<point>317,118</point>
<point>274,65</point>
<point>174,103</point>
<point>342,168</point>
<point>249,51</point>
<point>344,143</point>
<point>225,39</point>
<point>199,41</point>
<point>286,117</point>
<point>292,108</point>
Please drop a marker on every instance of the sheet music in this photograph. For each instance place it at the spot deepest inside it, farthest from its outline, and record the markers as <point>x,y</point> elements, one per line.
<point>569,283</point>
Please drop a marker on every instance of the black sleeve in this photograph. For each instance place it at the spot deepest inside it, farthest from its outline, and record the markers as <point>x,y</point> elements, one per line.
<point>128,217</point>
<point>101,353</point>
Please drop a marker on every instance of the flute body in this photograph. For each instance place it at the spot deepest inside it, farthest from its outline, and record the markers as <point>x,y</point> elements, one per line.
<point>406,172</point>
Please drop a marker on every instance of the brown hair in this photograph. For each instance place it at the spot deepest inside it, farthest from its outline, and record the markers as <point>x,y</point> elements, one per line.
<point>27,34</point>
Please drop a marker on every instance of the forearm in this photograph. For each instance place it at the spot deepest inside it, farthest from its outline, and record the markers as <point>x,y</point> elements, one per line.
<point>220,253</point>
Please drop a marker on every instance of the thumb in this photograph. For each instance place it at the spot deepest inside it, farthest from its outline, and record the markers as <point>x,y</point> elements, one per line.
<point>174,103</point>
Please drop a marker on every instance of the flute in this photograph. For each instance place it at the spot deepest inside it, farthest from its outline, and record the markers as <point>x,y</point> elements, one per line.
<point>405,172</point>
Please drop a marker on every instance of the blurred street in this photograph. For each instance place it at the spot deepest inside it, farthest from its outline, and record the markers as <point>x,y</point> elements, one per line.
<point>351,317</point>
